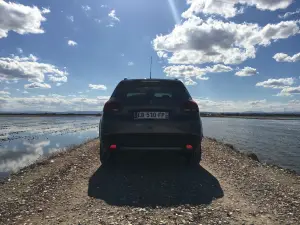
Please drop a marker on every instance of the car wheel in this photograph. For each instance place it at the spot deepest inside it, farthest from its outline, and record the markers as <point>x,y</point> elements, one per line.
<point>105,156</point>
<point>194,158</point>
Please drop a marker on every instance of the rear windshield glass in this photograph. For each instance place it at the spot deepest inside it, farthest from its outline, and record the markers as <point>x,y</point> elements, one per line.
<point>154,90</point>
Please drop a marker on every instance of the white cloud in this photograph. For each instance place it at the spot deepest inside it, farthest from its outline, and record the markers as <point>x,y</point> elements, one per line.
<point>15,67</point>
<point>219,68</point>
<point>226,9</point>
<point>122,54</point>
<point>57,79</point>
<point>20,19</point>
<point>103,6</point>
<point>58,84</point>
<point>98,87</point>
<point>162,54</point>
<point>130,63</point>
<point>113,16</point>
<point>230,8</point>
<point>20,51</point>
<point>103,98</point>
<point>282,57</point>
<point>6,93</point>
<point>276,83</point>
<point>281,94</point>
<point>72,43</point>
<point>187,72</point>
<point>288,14</point>
<point>97,20</point>
<point>25,92</point>
<point>65,103</point>
<point>246,72</point>
<point>52,103</point>
<point>281,30</point>
<point>214,41</point>
<point>46,10</point>
<point>288,91</point>
<point>110,25</point>
<point>11,81</point>
<point>189,82</point>
<point>56,95</point>
<point>257,102</point>
<point>70,18</point>
<point>86,8</point>
<point>37,85</point>
<point>250,105</point>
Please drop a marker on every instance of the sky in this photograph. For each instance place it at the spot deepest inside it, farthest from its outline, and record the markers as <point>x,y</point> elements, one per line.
<point>233,55</point>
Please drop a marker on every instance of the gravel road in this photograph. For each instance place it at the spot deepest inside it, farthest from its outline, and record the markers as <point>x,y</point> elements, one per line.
<point>228,188</point>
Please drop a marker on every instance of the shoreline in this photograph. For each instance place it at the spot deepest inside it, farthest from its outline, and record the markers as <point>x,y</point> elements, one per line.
<point>252,156</point>
<point>257,117</point>
<point>71,187</point>
<point>46,115</point>
<point>45,160</point>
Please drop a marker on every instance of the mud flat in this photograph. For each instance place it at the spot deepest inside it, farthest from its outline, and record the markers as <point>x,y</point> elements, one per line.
<point>228,187</point>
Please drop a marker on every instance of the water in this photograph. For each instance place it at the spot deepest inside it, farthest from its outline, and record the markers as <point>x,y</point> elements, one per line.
<point>274,141</point>
<point>25,140</point>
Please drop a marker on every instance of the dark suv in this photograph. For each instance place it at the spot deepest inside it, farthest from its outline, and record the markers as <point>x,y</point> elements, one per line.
<point>152,115</point>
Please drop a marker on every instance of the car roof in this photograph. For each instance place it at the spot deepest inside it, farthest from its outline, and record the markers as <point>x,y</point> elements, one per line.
<point>150,80</point>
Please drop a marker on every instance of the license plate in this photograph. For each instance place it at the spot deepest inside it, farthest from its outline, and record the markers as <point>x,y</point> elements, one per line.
<point>152,115</point>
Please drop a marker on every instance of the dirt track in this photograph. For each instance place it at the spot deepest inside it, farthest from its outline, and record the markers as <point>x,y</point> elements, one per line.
<point>228,188</point>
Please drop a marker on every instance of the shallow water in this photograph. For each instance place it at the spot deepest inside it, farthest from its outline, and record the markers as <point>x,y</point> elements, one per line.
<point>24,140</point>
<point>274,141</point>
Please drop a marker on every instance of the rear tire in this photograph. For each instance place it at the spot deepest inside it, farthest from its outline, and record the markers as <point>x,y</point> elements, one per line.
<point>194,158</point>
<point>105,156</point>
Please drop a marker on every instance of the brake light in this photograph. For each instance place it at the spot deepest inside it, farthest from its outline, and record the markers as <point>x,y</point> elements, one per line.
<point>190,106</point>
<point>113,147</point>
<point>189,147</point>
<point>112,106</point>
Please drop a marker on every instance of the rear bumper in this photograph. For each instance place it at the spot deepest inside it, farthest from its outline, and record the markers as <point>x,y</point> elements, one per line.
<point>152,149</point>
<point>151,142</point>
<point>192,127</point>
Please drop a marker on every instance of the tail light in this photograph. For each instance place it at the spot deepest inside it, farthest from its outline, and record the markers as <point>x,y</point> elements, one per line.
<point>189,147</point>
<point>190,106</point>
<point>112,106</point>
<point>113,147</point>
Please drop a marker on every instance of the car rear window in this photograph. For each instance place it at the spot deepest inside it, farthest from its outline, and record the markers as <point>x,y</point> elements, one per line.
<point>151,89</point>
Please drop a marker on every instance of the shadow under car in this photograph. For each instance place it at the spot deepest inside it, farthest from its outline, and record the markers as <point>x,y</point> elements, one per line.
<point>153,179</point>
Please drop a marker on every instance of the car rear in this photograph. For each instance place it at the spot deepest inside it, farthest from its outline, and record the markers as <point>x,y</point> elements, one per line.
<point>153,115</point>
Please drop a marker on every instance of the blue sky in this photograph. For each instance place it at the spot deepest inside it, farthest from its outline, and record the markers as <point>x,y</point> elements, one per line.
<point>233,55</point>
